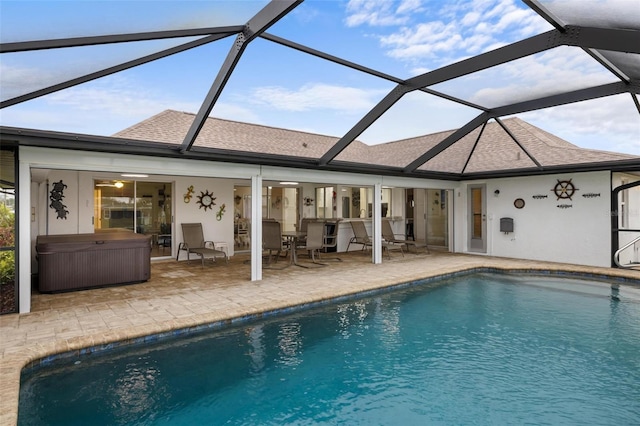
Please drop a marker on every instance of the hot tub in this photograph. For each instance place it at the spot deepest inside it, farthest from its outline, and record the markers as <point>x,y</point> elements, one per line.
<point>80,261</point>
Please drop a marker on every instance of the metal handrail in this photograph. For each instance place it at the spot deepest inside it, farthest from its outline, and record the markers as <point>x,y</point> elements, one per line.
<point>616,256</point>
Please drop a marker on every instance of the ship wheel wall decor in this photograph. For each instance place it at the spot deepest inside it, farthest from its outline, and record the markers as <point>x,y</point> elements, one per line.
<point>206,200</point>
<point>564,189</point>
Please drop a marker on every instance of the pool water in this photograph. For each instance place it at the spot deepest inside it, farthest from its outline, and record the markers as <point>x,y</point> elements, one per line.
<point>479,349</point>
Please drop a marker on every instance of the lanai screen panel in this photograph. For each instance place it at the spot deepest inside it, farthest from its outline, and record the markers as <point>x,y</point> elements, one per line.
<point>547,73</point>
<point>282,101</point>
<point>620,14</point>
<point>612,14</point>
<point>33,21</point>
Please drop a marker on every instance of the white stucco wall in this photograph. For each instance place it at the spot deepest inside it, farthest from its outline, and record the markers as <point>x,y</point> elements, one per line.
<point>580,233</point>
<point>214,229</point>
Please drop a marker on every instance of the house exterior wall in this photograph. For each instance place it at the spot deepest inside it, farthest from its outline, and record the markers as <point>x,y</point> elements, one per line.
<point>576,230</point>
<point>578,233</point>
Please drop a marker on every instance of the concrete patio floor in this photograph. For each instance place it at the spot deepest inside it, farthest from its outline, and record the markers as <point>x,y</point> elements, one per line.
<point>181,295</point>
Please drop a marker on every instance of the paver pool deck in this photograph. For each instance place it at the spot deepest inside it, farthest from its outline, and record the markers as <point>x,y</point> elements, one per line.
<point>181,295</point>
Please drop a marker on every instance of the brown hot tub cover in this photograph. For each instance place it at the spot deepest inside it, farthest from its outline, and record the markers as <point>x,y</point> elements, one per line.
<point>80,261</point>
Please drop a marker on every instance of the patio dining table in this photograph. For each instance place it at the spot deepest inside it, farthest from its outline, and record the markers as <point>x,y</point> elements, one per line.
<point>293,237</point>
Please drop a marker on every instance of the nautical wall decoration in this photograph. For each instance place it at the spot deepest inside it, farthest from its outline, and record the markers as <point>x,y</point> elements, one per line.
<point>56,195</point>
<point>564,189</point>
<point>206,200</point>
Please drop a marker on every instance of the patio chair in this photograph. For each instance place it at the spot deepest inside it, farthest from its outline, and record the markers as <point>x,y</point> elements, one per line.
<point>330,239</point>
<point>360,235</point>
<point>314,241</point>
<point>272,240</point>
<point>388,235</point>
<point>193,242</point>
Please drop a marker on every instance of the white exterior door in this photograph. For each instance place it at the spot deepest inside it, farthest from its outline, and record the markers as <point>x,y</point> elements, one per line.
<point>477,219</point>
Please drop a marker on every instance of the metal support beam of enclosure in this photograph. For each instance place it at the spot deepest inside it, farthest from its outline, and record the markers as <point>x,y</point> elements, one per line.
<point>268,16</point>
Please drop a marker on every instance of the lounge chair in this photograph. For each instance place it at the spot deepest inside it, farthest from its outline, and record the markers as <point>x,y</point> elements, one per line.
<point>193,242</point>
<point>360,235</point>
<point>389,236</point>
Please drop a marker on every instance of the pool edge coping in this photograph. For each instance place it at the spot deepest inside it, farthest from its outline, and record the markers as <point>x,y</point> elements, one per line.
<point>33,356</point>
<point>233,319</point>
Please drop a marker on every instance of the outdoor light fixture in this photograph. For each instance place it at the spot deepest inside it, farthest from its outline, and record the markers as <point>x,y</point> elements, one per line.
<point>288,183</point>
<point>118,184</point>
<point>133,175</point>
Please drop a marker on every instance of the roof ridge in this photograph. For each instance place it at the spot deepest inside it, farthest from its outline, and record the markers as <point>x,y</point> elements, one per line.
<point>545,137</point>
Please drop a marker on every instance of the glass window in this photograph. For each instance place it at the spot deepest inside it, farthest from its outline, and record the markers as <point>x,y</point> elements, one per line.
<point>358,202</point>
<point>325,202</point>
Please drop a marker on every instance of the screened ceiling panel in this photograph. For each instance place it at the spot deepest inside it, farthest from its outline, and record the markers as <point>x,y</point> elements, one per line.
<point>177,82</point>
<point>417,114</point>
<point>628,63</point>
<point>613,121</point>
<point>321,97</point>
<point>344,73</point>
<point>38,20</point>
<point>454,158</point>
<point>25,72</point>
<point>332,36</point>
<point>548,73</point>
<point>620,14</point>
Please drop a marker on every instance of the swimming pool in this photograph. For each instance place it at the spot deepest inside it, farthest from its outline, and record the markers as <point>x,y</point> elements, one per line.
<point>479,349</point>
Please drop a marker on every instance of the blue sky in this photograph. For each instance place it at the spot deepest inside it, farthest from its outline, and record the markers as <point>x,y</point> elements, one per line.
<point>277,86</point>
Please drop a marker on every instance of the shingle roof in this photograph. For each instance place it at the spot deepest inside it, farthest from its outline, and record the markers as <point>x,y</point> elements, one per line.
<point>171,127</point>
<point>494,151</point>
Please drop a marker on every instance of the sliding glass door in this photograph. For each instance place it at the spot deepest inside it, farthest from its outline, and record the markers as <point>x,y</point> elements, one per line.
<point>141,207</point>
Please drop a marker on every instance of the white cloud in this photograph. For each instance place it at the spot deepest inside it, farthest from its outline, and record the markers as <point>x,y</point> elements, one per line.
<point>471,18</point>
<point>380,12</point>
<point>317,96</point>
<point>423,40</point>
<point>459,29</point>
<point>409,6</point>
